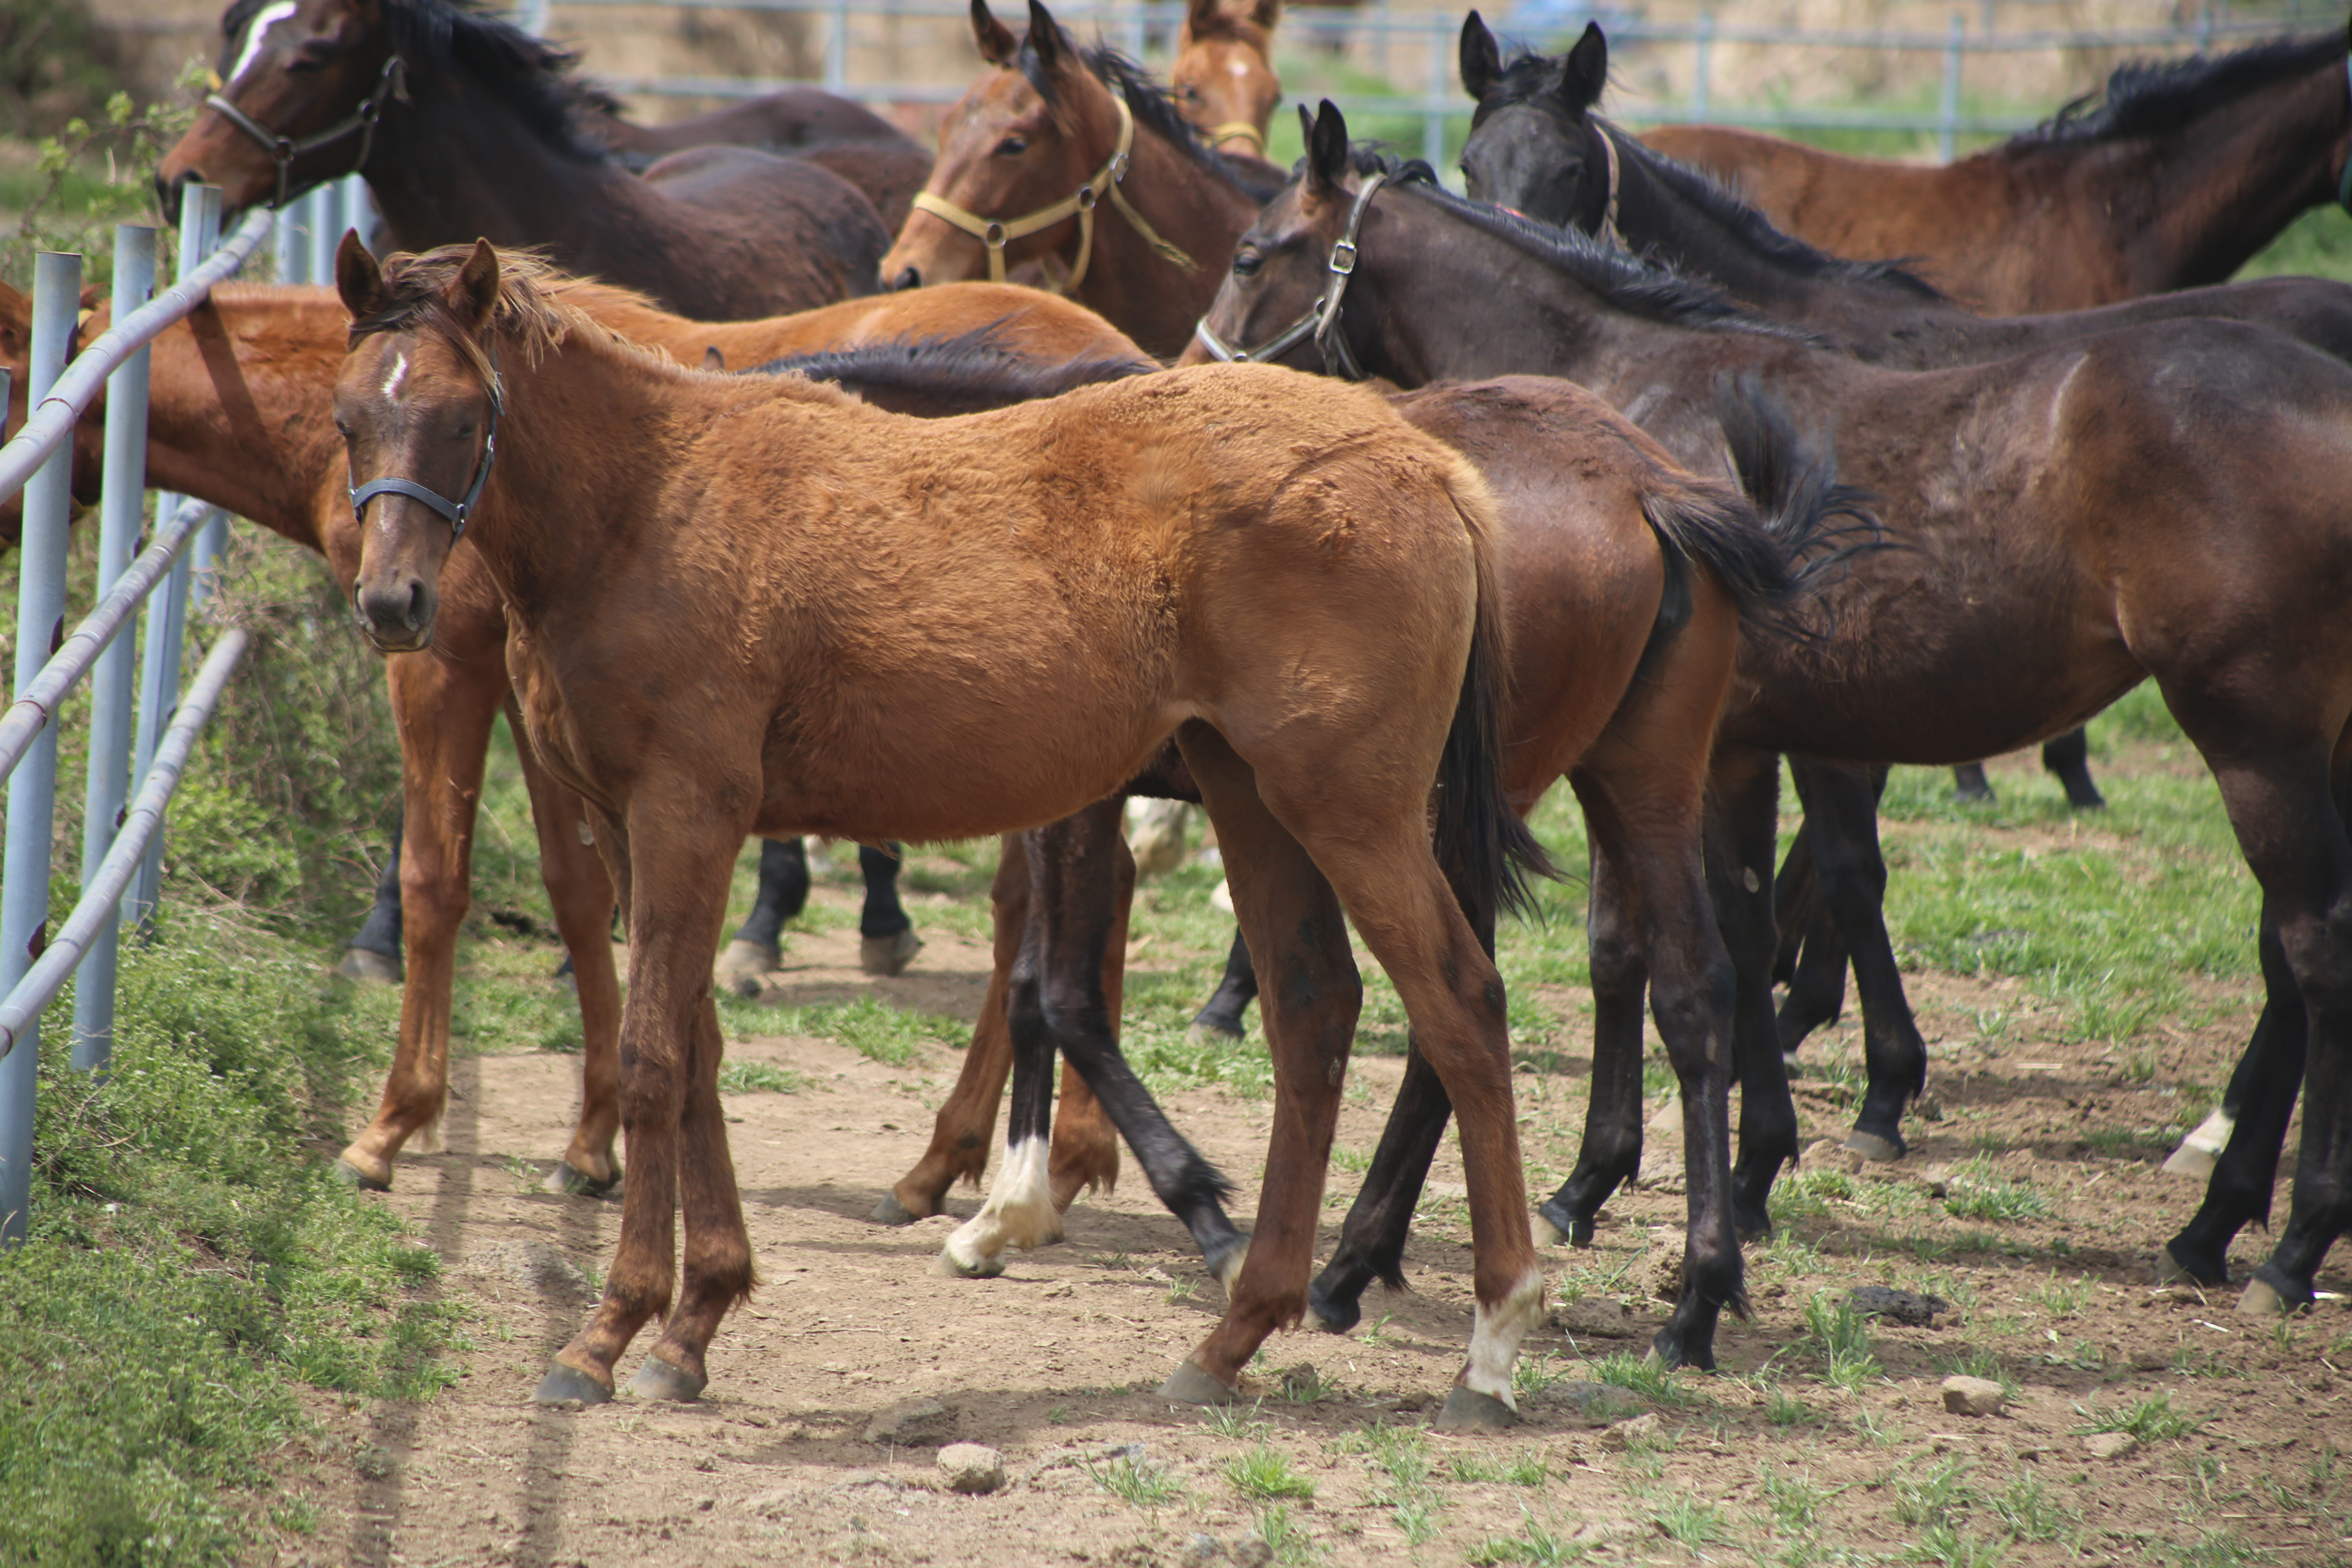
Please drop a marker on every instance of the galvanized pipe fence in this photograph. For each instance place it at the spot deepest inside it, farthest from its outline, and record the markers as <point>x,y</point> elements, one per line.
<point>142,727</point>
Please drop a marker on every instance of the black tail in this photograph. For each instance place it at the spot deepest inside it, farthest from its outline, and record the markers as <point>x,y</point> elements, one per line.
<point>1794,487</point>
<point>968,373</point>
<point>1485,850</point>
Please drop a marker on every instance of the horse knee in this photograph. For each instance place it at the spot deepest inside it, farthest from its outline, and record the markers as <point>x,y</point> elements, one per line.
<point>2319,953</point>
<point>1694,1021</point>
<point>1616,960</point>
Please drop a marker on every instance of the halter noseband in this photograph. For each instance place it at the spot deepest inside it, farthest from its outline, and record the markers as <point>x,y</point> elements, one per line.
<point>457,512</point>
<point>392,83</point>
<point>1238,131</point>
<point>1321,321</point>
<point>996,233</point>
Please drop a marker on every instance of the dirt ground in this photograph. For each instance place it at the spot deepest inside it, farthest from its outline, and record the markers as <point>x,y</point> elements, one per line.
<point>1055,1364</point>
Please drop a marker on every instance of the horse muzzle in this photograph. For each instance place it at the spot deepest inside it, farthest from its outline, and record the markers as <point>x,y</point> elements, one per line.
<point>397,616</point>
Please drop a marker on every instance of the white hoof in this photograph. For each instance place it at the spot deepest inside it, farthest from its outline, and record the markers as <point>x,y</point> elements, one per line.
<point>2202,1147</point>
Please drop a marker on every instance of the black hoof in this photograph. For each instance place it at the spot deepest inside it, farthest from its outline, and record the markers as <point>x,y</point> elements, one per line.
<point>571,1181</point>
<point>1576,1230</point>
<point>1188,1385</point>
<point>1467,1410</point>
<point>1751,1218</point>
<point>1670,1349</point>
<point>2175,1267</point>
<point>2087,799</point>
<point>562,1383</point>
<point>1332,1315</point>
<point>890,1211</point>
<point>1208,1031</point>
<point>659,1379</point>
<point>1883,1146</point>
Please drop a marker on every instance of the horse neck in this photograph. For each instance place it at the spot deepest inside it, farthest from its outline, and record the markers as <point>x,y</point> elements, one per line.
<point>1150,299</point>
<point>239,410</point>
<point>2190,206</point>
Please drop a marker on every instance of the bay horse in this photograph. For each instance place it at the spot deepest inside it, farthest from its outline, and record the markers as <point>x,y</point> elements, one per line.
<point>1075,162</point>
<point>2158,502</point>
<point>1202,554</point>
<point>240,415</point>
<point>2173,178</point>
<point>466,125</point>
<point>1223,79</point>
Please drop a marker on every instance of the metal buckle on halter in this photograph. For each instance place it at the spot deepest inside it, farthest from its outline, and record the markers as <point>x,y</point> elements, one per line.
<point>1348,270</point>
<point>391,81</point>
<point>1321,321</point>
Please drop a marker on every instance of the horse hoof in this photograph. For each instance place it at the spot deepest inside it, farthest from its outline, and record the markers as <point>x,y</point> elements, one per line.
<point>1547,1233</point>
<point>567,1179</point>
<point>1870,1146</point>
<point>1332,1316</point>
<point>368,968</point>
<point>1467,1410</point>
<point>2191,1161</point>
<point>1669,1351</point>
<point>1227,1265</point>
<point>744,961</point>
<point>1752,1224</point>
<point>888,954</point>
<point>2202,1150</point>
<point>562,1383</point>
<point>954,1268</point>
<point>2260,1301</point>
<point>659,1379</point>
<point>353,1175</point>
<point>1188,1385</point>
<point>890,1211</point>
<point>1205,1033</point>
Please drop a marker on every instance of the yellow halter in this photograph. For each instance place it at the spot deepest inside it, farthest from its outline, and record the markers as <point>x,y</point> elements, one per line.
<point>1238,131</point>
<point>996,233</point>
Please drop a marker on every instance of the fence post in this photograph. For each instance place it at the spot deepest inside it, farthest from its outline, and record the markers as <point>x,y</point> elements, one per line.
<point>32,788</point>
<point>120,510</point>
<point>166,614</point>
<point>1702,46</point>
<point>206,549</point>
<point>324,232</point>
<point>1949,120</point>
<point>1433,108</point>
<point>285,245</point>
<point>836,46</point>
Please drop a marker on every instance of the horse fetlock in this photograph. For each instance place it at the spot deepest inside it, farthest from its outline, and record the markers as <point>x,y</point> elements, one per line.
<point>1332,1300</point>
<point>1495,1335</point>
<point>1225,1262</point>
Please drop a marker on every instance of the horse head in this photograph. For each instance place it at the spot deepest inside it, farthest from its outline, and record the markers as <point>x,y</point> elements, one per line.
<point>1269,308</point>
<point>1534,146</point>
<point>302,83</point>
<point>1223,77</point>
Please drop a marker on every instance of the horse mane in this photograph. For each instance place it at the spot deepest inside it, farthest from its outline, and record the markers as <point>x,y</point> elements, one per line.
<point>1640,284</point>
<point>974,366</point>
<point>2144,98</point>
<point>1533,79</point>
<point>439,38</point>
<point>1149,102</point>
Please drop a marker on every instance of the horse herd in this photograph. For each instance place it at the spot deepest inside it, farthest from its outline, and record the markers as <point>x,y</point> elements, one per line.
<point>1642,491</point>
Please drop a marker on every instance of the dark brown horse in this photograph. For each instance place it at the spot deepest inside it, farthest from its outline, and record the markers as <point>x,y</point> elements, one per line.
<point>1222,76</point>
<point>1191,554</point>
<point>2158,501</point>
<point>466,126</point>
<point>1075,162</point>
<point>2174,178</point>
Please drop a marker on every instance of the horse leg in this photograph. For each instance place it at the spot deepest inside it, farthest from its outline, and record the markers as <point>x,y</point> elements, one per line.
<point>445,710</point>
<point>581,894</point>
<point>1743,803</point>
<point>1843,810</point>
<point>961,1131</point>
<point>1221,1017</point>
<point>1610,1152</point>
<point>2199,1151</point>
<point>670,862</point>
<point>1372,1241</point>
<point>374,954</point>
<point>1969,783</point>
<point>886,940</point>
<point>1809,956</point>
<point>759,947</point>
<point>1086,1135</point>
<point>2239,1190</point>
<point>2069,757</point>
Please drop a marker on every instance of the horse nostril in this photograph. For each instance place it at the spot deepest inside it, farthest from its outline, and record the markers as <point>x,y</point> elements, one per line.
<point>910,279</point>
<point>415,605</point>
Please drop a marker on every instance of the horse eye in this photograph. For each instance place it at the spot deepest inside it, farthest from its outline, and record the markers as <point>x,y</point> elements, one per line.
<point>342,429</point>
<point>1247,263</point>
<point>1011,147</point>
<point>1189,94</point>
<point>310,58</point>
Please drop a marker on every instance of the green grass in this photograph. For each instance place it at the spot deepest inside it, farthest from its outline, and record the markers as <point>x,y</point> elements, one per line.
<point>1136,1481</point>
<point>1842,1338</point>
<point>758,1078</point>
<point>2151,1420</point>
<point>1525,1468</point>
<point>868,1026</point>
<point>1537,1543</point>
<point>1977,1192</point>
<point>1263,1474</point>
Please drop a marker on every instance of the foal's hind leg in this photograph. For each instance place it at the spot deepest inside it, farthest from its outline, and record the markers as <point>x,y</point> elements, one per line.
<point>1086,1139</point>
<point>1221,1017</point>
<point>1611,1152</point>
<point>1744,799</point>
<point>1809,957</point>
<point>2069,758</point>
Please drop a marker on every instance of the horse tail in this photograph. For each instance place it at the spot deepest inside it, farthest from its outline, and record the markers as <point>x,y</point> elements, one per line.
<point>1812,526</point>
<point>1485,849</point>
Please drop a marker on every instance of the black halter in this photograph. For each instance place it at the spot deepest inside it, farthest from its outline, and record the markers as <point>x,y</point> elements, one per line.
<point>457,512</point>
<point>283,150</point>
<point>1321,321</point>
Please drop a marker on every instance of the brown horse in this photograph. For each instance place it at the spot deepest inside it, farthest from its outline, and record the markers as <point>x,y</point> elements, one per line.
<point>2175,179</point>
<point>2159,502</point>
<point>239,417</point>
<point>1078,162</point>
<point>1205,554</point>
<point>466,126</point>
<point>804,122</point>
<point>1223,77</point>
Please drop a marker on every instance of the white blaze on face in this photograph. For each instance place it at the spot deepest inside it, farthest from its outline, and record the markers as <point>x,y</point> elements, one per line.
<point>258,34</point>
<point>399,373</point>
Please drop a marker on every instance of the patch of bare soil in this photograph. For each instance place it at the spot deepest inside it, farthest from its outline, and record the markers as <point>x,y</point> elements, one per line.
<point>1055,1364</point>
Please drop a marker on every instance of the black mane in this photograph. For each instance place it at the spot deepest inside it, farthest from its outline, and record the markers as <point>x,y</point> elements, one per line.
<point>1150,104</point>
<point>439,38</point>
<point>1639,284</point>
<point>972,367</point>
<point>2144,98</point>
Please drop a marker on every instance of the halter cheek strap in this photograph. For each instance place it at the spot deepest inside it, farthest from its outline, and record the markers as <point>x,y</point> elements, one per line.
<point>457,511</point>
<point>1321,320</point>
<point>1607,229</point>
<point>393,82</point>
<point>997,233</point>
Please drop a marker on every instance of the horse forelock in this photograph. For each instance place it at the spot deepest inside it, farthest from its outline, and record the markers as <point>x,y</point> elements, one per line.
<point>2146,98</point>
<point>1530,78</point>
<point>528,316</point>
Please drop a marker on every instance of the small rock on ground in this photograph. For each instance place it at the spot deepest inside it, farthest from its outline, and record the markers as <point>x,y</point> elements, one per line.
<point>972,1468</point>
<point>1904,1307</point>
<point>913,1423</point>
<point>1601,1400</point>
<point>1829,1154</point>
<point>1972,1396</point>
<point>1639,1430</point>
<point>2109,1444</point>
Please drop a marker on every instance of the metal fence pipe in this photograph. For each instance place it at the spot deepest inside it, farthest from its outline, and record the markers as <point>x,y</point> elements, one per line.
<point>20,1014</point>
<point>123,508</point>
<point>326,208</point>
<point>1948,119</point>
<point>54,412</point>
<point>212,542</point>
<point>31,713</point>
<point>32,788</point>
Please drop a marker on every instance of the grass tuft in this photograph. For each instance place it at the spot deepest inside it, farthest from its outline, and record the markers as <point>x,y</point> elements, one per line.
<point>1263,1474</point>
<point>758,1078</point>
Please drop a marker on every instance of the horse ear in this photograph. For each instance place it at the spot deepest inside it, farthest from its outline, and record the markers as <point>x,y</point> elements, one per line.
<point>1588,70</point>
<point>1482,60</point>
<point>1326,149</point>
<point>1265,14</point>
<point>358,279</point>
<point>473,294</point>
<point>997,44</point>
<point>713,360</point>
<point>1200,21</point>
<point>1044,36</point>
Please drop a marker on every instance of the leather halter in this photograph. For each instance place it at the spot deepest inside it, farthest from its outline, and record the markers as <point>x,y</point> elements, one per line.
<point>457,512</point>
<point>1321,320</point>
<point>1607,229</point>
<point>282,150</point>
<point>996,233</point>
<point>1238,131</point>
